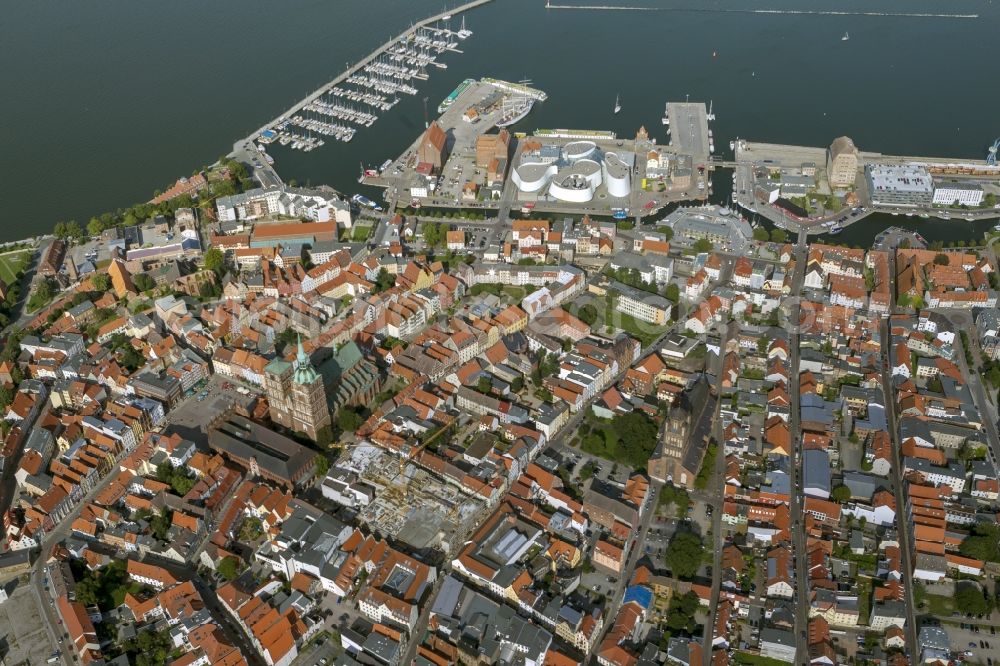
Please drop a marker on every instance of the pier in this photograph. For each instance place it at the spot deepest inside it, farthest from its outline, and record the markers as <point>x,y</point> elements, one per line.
<point>391,70</point>
<point>688,127</point>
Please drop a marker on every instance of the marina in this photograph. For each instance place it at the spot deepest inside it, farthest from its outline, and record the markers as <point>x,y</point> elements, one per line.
<point>354,100</point>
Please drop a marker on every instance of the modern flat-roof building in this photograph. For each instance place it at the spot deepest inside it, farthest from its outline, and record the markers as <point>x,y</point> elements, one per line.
<point>165,389</point>
<point>957,192</point>
<point>899,185</point>
<point>319,205</point>
<point>293,233</point>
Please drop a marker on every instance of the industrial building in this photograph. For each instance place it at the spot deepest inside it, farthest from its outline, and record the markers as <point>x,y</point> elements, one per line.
<point>842,163</point>
<point>433,148</point>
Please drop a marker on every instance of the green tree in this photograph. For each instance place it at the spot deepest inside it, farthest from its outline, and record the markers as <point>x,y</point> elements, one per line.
<point>101,282</point>
<point>73,229</point>
<point>159,525</point>
<point>969,597</point>
<point>684,554</point>
<point>681,612</point>
<point>588,314</point>
<point>668,232</point>
<point>151,648</point>
<point>87,591</point>
<point>435,234</point>
<point>760,234</point>
<point>6,396</point>
<point>95,227</point>
<point>322,465</point>
<point>143,282</point>
<point>983,543</point>
<point>229,568</point>
<point>384,280</point>
<point>673,292</point>
<point>215,261</point>
<point>348,420</point>
<point>484,385</point>
<point>941,259</point>
<point>779,236</point>
<point>841,493</point>
<point>702,245</point>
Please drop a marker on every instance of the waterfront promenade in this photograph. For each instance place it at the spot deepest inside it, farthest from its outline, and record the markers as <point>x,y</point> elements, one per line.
<point>754,161</point>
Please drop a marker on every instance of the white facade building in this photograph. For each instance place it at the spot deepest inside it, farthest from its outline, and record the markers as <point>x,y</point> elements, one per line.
<point>956,192</point>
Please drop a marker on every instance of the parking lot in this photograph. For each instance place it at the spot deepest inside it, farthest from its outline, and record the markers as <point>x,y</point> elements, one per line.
<point>190,417</point>
<point>982,641</point>
<point>24,637</point>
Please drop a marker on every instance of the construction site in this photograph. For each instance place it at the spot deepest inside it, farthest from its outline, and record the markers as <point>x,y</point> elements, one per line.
<point>412,505</point>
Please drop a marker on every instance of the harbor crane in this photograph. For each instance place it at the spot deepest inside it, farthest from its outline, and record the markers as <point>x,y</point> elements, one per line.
<point>991,155</point>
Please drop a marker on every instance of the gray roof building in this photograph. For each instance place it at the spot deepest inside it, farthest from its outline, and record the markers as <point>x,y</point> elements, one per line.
<point>264,452</point>
<point>816,472</point>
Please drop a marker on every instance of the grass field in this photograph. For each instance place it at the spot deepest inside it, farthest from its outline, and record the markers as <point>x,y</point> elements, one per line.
<point>360,233</point>
<point>11,263</point>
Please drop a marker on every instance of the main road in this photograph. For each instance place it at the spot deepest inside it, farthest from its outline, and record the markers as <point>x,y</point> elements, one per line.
<point>794,315</point>
<point>906,564</point>
<point>716,482</point>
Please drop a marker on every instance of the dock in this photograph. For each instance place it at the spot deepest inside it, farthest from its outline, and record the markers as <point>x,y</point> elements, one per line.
<point>689,133</point>
<point>324,112</point>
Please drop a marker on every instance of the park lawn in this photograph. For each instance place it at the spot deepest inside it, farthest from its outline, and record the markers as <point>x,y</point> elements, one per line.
<point>939,605</point>
<point>517,293</point>
<point>360,233</point>
<point>12,263</point>
<point>864,600</point>
<point>642,331</point>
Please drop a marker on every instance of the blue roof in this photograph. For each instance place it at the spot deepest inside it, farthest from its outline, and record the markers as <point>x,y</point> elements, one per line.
<point>639,594</point>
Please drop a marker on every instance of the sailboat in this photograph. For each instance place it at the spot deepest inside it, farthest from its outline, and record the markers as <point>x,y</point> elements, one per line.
<point>845,37</point>
<point>618,106</point>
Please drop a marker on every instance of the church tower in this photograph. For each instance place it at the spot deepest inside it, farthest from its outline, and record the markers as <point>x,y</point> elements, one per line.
<point>296,394</point>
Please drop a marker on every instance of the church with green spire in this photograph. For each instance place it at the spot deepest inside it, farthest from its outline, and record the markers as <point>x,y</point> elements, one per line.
<point>296,394</point>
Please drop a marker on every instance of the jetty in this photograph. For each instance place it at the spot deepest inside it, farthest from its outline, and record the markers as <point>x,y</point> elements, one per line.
<point>384,72</point>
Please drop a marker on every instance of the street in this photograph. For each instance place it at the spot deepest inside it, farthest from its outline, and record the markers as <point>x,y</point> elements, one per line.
<point>795,428</point>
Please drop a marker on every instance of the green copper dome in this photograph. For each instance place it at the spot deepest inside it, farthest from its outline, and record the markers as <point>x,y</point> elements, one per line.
<point>304,372</point>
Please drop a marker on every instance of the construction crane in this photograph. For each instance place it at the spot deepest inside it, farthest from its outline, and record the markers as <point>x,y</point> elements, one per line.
<point>404,458</point>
